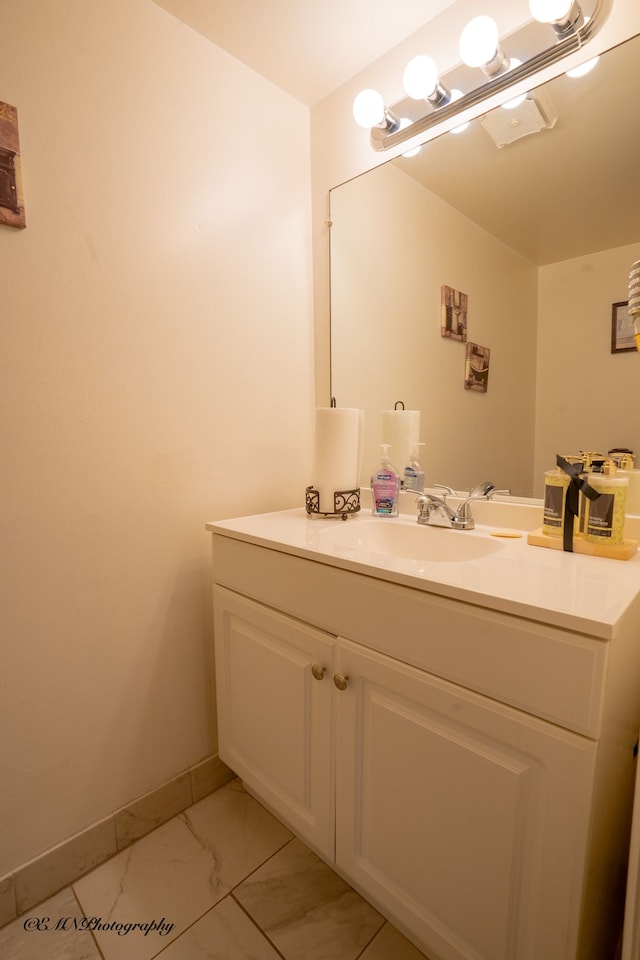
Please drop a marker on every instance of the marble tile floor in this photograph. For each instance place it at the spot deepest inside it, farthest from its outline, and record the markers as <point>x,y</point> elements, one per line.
<point>224,880</point>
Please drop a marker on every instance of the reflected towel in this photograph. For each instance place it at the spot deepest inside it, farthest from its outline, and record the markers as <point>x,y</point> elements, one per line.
<point>401,430</point>
<point>634,289</point>
<point>634,299</point>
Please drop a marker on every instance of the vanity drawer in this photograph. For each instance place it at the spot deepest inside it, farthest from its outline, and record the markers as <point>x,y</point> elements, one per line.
<point>554,674</point>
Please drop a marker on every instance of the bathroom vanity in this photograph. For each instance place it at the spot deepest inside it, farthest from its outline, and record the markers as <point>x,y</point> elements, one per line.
<point>448,718</point>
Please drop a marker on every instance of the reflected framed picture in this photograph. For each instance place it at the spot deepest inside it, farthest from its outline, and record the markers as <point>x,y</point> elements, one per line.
<point>476,368</point>
<point>453,313</point>
<point>622,328</point>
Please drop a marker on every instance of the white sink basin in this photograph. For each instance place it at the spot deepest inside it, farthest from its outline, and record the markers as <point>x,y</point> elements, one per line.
<point>410,541</point>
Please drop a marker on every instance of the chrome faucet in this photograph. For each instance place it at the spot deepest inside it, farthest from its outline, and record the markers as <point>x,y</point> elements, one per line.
<point>436,512</point>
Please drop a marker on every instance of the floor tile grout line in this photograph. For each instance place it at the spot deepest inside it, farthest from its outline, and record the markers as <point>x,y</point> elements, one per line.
<point>256,924</point>
<point>265,934</point>
<point>189,927</point>
<point>82,914</point>
<point>130,847</point>
<point>170,942</point>
<point>228,894</point>
<point>261,865</point>
<point>376,934</point>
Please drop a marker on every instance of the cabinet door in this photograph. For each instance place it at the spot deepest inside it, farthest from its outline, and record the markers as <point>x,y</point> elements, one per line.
<point>466,819</point>
<point>275,712</point>
<point>631,939</point>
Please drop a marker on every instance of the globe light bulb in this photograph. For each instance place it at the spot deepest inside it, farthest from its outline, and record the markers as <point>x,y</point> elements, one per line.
<point>512,104</point>
<point>583,69</point>
<point>479,41</point>
<point>420,77</point>
<point>549,11</point>
<point>368,108</point>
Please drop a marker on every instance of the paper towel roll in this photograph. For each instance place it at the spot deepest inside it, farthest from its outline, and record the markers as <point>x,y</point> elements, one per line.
<point>633,492</point>
<point>336,452</point>
<point>400,429</point>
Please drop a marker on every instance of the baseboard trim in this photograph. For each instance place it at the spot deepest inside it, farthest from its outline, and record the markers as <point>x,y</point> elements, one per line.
<point>65,863</point>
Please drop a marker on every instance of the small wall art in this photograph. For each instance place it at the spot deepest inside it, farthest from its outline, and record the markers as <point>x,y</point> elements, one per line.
<point>453,311</point>
<point>476,368</point>
<point>11,197</point>
<point>622,328</point>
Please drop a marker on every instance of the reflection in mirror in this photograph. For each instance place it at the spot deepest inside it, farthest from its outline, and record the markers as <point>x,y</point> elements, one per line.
<point>539,233</point>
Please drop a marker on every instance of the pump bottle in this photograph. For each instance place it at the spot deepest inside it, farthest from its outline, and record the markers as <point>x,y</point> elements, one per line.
<point>385,487</point>
<point>414,471</point>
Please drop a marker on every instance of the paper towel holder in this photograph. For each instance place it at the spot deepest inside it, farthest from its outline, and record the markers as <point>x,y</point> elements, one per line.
<point>345,503</point>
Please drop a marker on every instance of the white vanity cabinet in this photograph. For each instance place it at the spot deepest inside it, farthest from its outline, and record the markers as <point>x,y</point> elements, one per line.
<point>453,763</point>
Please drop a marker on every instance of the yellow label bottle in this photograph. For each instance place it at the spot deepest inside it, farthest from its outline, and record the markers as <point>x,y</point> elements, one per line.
<point>556,483</point>
<point>605,516</point>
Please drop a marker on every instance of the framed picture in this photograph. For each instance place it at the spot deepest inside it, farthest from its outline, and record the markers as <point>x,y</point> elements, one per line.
<point>622,328</point>
<point>476,368</point>
<point>453,313</point>
<point>11,200</point>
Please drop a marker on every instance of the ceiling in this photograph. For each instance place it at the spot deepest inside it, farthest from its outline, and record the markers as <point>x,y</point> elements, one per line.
<point>311,47</point>
<point>306,47</point>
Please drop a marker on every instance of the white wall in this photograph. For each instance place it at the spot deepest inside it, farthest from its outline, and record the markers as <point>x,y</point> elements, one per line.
<point>391,259</point>
<point>587,397</point>
<point>156,373</point>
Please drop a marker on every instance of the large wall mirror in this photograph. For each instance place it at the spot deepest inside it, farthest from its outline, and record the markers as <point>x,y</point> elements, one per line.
<point>539,232</point>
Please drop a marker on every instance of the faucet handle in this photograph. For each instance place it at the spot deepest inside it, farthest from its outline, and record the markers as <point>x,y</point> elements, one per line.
<point>482,491</point>
<point>498,493</point>
<point>444,486</point>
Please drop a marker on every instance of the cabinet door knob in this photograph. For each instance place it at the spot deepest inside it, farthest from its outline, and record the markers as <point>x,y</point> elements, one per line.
<point>318,671</point>
<point>340,681</point>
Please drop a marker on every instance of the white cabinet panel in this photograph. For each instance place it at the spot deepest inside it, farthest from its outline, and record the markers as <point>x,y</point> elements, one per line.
<point>274,716</point>
<point>520,662</point>
<point>631,941</point>
<point>466,817</point>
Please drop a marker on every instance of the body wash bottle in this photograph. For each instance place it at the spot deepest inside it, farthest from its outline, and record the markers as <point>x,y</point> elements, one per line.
<point>414,471</point>
<point>385,487</point>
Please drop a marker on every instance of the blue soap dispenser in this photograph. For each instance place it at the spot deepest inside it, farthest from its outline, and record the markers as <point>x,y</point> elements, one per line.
<point>385,487</point>
<point>414,471</point>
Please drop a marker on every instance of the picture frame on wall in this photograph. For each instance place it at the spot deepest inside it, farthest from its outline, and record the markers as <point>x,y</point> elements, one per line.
<point>11,199</point>
<point>476,368</point>
<point>454,306</point>
<point>622,328</point>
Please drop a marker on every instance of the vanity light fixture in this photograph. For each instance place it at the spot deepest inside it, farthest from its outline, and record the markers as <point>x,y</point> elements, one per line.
<point>404,123</point>
<point>421,82</point>
<point>458,95</point>
<point>369,111</point>
<point>512,104</point>
<point>480,48</point>
<point>565,16</point>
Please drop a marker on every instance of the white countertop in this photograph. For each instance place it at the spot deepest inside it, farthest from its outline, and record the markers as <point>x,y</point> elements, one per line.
<point>568,590</point>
